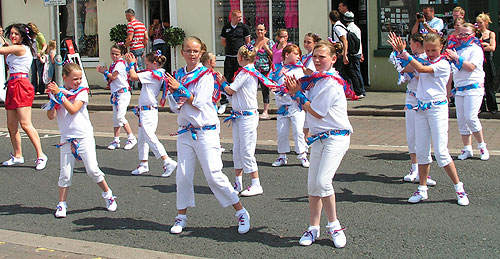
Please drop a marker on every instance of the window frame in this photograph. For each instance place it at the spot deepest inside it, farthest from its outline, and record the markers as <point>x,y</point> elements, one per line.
<point>86,61</point>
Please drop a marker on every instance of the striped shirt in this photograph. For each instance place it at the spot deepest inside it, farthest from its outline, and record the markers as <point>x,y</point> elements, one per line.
<point>138,29</point>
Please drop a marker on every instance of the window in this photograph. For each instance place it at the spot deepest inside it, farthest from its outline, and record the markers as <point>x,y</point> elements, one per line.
<point>79,22</point>
<point>395,16</point>
<point>274,14</point>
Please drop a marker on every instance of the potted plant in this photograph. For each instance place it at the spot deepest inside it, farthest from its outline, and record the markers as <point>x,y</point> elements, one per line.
<point>118,33</point>
<point>173,37</point>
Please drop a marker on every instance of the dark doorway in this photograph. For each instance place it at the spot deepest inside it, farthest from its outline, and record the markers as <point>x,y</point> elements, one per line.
<point>159,9</point>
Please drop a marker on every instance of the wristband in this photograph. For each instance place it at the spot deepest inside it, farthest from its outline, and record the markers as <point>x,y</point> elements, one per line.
<point>106,73</point>
<point>181,95</point>
<point>60,98</point>
<point>300,98</point>
<point>459,63</point>
<point>224,85</point>
<point>130,66</point>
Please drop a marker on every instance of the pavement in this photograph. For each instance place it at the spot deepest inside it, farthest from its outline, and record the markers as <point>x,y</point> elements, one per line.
<point>374,104</point>
<point>371,197</point>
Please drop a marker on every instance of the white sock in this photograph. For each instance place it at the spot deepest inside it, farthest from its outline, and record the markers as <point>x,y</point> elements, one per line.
<point>255,182</point>
<point>116,139</point>
<point>144,164</point>
<point>242,211</point>
<point>131,136</point>
<point>182,216</point>
<point>459,187</point>
<point>167,161</point>
<point>108,194</point>
<point>423,188</point>
<point>239,180</point>
<point>283,156</point>
<point>468,148</point>
<point>303,155</point>
<point>62,204</point>
<point>314,230</point>
<point>334,224</point>
<point>481,145</point>
<point>414,167</point>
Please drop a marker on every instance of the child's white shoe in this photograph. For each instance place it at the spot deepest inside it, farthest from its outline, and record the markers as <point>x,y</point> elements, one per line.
<point>338,236</point>
<point>309,237</point>
<point>243,222</point>
<point>111,203</point>
<point>280,161</point>
<point>252,190</point>
<point>179,224</point>
<point>114,145</point>
<point>60,212</point>
<point>14,161</point>
<point>130,144</point>
<point>141,169</point>
<point>465,154</point>
<point>169,166</point>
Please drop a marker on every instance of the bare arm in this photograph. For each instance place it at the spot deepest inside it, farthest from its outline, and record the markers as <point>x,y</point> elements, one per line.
<point>293,87</point>
<point>128,41</point>
<point>343,39</point>
<point>492,45</point>
<point>467,65</point>
<point>223,41</point>
<point>130,58</point>
<point>51,114</point>
<point>17,50</point>
<point>248,39</point>
<point>72,108</point>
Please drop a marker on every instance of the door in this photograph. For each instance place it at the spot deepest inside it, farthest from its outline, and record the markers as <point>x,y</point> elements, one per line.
<point>158,10</point>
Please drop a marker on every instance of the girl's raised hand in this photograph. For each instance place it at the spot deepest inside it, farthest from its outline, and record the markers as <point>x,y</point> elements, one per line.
<point>53,88</point>
<point>101,69</point>
<point>130,58</point>
<point>452,54</point>
<point>292,84</point>
<point>220,78</point>
<point>173,84</point>
<point>396,42</point>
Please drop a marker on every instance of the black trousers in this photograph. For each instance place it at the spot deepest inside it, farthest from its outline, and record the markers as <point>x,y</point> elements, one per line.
<point>230,67</point>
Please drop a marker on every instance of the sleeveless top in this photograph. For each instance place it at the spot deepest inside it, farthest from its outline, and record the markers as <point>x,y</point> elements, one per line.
<point>20,64</point>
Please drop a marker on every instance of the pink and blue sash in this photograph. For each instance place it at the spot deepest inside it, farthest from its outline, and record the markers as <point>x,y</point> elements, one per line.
<point>158,75</point>
<point>186,79</point>
<point>64,94</point>
<point>309,81</point>
<point>263,79</point>
<point>74,147</point>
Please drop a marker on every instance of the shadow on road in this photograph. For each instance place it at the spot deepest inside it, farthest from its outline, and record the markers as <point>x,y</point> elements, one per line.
<point>389,156</point>
<point>172,189</point>
<point>365,177</point>
<point>106,223</point>
<point>348,196</point>
<point>15,209</point>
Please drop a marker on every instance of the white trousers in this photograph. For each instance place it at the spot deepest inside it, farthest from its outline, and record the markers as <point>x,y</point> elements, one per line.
<point>120,110</point>
<point>296,121</point>
<point>147,138</point>
<point>207,149</point>
<point>244,142</point>
<point>410,130</point>
<point>432,124</point>
<point>326,155</point>
<point>87,153</point>
<point>467,108</point>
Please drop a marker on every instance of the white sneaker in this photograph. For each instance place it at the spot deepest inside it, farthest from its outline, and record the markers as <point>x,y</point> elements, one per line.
<point>305,162</point>
<point>462,198</point>
<point>243,223</point>
<point>114,145</point>
<point>252,191</point>
<point>179,224</point>
<point>338,236</point>
<point>13,161</point>
<point>280,161</point>
<point>130,144</point>
<point>222,109</point>
<point>418,196</point>
<point>169,167</point>
<point>485,155</point>
<point>111,203</point>
<point>465,154</point>
<point>60,212</point>
<point>308,237</point>
<point>411,176</point>
<point>41,162</point>
<point>140,170</point>
<point>237,187</point>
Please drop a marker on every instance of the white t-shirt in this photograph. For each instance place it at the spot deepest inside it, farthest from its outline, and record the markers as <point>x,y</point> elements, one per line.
<point>310,64</point>
<point>328,100</point>
<point>413,83</point>
<point>463,77</point>
<point>20,64</point>
<point>202,111</point>
<point>355,29</point>
<point>432,86</point>
<point>285,99</point>
<point>77,125</point>
<point>245,87</point>
<point>338,31</point>
<point>150,88</point>
<point>120,81</point>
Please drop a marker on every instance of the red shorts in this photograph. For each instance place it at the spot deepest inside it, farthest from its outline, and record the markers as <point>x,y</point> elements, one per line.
<point>20,93</point>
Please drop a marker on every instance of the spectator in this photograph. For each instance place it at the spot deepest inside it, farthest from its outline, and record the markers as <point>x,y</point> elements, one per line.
<point>339,35</point>
<point>262,46</point>
<point>458,12</point>
<point>137,37</point>
<point>156,33</point>
<point>488,42</point>
<point>37,66</point>
<point>353,68</point>
<point>427,22</point>
<point>234,35</point>
<point>281,43</point>
<point>343,7</point>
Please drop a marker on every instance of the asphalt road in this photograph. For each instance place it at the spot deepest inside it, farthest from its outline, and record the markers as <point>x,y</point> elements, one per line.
<point>371,201</point>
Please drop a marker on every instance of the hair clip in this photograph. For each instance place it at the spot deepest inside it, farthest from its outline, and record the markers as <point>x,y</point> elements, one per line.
<point>331,40</point>
<point>27,33</point>
<point>317,35</point>
<point>249,46</point>
<point>121,43</point>
<point>158,53</point>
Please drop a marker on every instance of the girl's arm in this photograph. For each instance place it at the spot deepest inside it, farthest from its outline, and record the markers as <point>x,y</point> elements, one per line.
<point>448,86</point>
<point>223,82</point>
<point>493,43</point>
<point>173,85</point>
<point>131,60</point>
<point>51,114</point>
<point>17,50</point>
<point>72,108</point>
<point>293,86</point>
<point>467,65</point>
<point>52,56</point>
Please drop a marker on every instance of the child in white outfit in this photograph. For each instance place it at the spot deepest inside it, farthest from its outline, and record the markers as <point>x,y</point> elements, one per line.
<point>120,96</point>
<point>198,138</point>
<point>289,113</point>
<point>152,82</point>
<point>69,106</point>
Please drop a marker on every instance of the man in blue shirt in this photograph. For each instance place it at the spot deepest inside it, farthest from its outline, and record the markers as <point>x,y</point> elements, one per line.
<point>428,23</point>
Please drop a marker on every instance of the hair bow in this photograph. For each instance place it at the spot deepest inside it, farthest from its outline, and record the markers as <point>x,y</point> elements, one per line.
<point>27,33</point>
<point>332,41</point>
<point>121,43</point>
<point>158,53</point>
<point>317,35</point>
<point>249,46</point>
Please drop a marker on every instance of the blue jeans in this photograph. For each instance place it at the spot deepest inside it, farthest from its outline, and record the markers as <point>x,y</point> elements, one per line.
<point>138,53</point>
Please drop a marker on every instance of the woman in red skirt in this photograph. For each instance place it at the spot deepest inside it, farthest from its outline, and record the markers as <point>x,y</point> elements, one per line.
<point>20,94</point>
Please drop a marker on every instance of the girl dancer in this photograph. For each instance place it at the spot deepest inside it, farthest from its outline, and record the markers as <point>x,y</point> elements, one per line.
<point>69,105</point>
<point>116,76</point>
<point>467,56</point>
<point>310,40</point>
<point>198,137</point>
<point>326,108</point>
<point>289,113</point>
<point>408,74</point>
<point>431,118</point>
<point>20,94</point>
<point>245,118</point>
<point>147,111</point>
